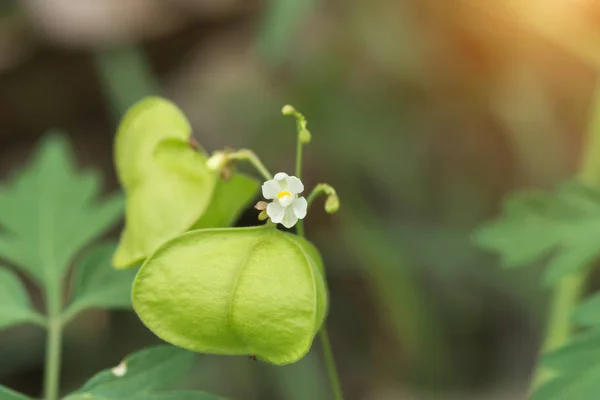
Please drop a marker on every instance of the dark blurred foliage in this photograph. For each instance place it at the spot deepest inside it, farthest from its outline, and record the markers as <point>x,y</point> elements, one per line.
<point>424,115</point>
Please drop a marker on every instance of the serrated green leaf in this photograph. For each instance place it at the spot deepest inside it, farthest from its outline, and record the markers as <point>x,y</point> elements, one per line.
<point>15,307</point>
<point>141,373</point>
<point>576,369</point>
<point>579,354</point>
<point>553,389</point>
<point>523,233</point>
<point>518,243</point>
<point>587,314</point>
<point>9,394</point>
<point>234,291</point>
<point>585,386</point>
<point>179,395</point>
<point>50,210</point>
<point>572,259</point>
<point>97,284</point>
<point>535,225</point>
<point>229,200</point>
<point>167,183</point>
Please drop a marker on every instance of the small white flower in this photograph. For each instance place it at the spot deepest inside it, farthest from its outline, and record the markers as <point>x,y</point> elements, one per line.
<point>217,161</point>
<point>286,207</point>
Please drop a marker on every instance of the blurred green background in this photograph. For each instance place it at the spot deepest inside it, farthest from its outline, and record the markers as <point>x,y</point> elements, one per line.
<point>424,114</point>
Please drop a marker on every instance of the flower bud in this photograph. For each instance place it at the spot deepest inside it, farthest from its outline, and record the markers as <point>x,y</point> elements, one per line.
<point>303,133</point>
<point>217,161</point>
<point>332,204</point>
<point>288,110</point>
<point>261,205</point>
<point>263,216</point>
<point>305,136</point>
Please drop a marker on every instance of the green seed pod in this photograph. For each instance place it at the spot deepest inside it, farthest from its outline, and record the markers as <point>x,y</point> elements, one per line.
<point>166,181</point>
<point>168,186</point>
<point>235,291</point>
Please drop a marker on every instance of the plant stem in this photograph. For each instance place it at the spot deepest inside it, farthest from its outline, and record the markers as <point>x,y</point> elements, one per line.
<point>321,188</point>
<point>334,378</point>
<point>53,344</point>
<point>330,362</point>
<point>299,147</point>
<point>252,158</point>
<point>564,299</point>
<point>300,228</point>
<point>298,172</point>
<point>567,294</point>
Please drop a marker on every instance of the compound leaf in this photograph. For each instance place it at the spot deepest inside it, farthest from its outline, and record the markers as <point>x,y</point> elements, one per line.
<point>15,307</point>
<point>143,372</point>
<point>97,284</point>
<point>49,210</point>
<point>537,225</point>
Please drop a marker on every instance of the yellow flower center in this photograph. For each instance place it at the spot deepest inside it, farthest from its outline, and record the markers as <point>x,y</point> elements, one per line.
<point>283,194</point>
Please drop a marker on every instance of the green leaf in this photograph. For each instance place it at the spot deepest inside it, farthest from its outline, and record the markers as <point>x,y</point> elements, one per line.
<point>554,389</point>
<point>171,395</point>
<point>15,307</point>
<point>143,372</point>
<point>523,233</point>
<point>581,387</point>
<point>97,284</point>
<point>576,368</point>
<point>8,394</point>
<point>570,259</point>
<point>229,200</point>
<point>179,395</point>
<point>234,291</point>
<point>581,353</point>
<point>588,313</point>
<point>536,225</point>
<point>167,183</point>
<point>50,210</point>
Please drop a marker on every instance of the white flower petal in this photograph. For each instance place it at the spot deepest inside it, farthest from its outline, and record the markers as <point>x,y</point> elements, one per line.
<point>271,189</point>
<point>280,176</point>
<point>285,201</point>
<point>299,206</point>
<point>276,212</point>
<point>289,218</point>
<point>294,185</point>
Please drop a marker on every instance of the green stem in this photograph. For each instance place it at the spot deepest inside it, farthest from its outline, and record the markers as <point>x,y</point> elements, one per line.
<point>299,147</point>
<point>300,228</point>
<point>322,189</point>
<point>568,293</point>
<point>298,172</point>
<point>53,345</point>
<point>564,299</point>
<point>252,158</point>
<point>334,378</point>
<point>330,362</point>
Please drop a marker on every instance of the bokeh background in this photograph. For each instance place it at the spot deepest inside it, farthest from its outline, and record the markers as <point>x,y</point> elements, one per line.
<point>424,114</point>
